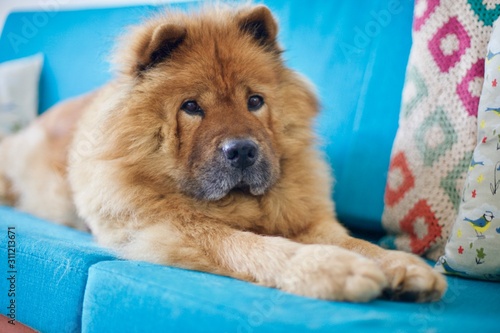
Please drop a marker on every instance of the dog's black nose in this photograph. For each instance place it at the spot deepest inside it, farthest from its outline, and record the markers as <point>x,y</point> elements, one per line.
<point>240,153</point>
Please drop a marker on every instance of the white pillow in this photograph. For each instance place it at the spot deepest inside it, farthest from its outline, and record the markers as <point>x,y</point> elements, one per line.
<point>19,80</point>
<point>473,249</point>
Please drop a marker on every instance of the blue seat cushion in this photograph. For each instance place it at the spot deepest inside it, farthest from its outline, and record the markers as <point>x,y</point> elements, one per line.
<point>127,296</point>
<point>50,270</point>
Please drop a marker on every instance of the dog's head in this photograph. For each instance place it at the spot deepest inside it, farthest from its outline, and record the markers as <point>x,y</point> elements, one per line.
<point>211,104</point>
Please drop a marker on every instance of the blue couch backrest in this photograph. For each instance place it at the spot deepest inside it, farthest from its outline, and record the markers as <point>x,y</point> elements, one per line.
<point>354,53</point>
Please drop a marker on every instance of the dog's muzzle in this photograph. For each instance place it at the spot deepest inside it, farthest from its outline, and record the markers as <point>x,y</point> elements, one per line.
<point>238,164</point>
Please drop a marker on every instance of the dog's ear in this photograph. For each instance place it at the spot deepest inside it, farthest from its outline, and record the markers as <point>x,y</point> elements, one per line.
<point>157,45</point>
<point>260,24</point>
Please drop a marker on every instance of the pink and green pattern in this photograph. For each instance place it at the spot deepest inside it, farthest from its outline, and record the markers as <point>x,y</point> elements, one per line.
<point>437,126</point>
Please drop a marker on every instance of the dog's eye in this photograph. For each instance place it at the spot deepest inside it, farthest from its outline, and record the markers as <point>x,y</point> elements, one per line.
<point>192,108</point>
<point>255,102</point>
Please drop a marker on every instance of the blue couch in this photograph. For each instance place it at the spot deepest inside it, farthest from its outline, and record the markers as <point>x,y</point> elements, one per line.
<point>356,55</point>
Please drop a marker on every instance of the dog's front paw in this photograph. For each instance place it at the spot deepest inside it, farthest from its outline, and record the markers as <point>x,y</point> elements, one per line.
<point>332,273</point>
<point>411,279</point>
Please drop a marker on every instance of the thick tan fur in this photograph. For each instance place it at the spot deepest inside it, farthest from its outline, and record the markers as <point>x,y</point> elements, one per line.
<point>138,165</point>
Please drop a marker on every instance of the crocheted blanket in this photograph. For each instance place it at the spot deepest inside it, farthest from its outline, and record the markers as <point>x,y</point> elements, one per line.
<point>437,126</point>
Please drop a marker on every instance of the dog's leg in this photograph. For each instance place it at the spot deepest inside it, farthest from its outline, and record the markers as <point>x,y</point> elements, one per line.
<point>410,278</point>
<point>320,271</point>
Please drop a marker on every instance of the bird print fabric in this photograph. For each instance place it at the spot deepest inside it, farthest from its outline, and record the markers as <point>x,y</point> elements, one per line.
<point>481,224</point>
<point>473,248</point>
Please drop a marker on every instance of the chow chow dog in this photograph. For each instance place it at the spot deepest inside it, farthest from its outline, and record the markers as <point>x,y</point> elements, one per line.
<point>201,155</point>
